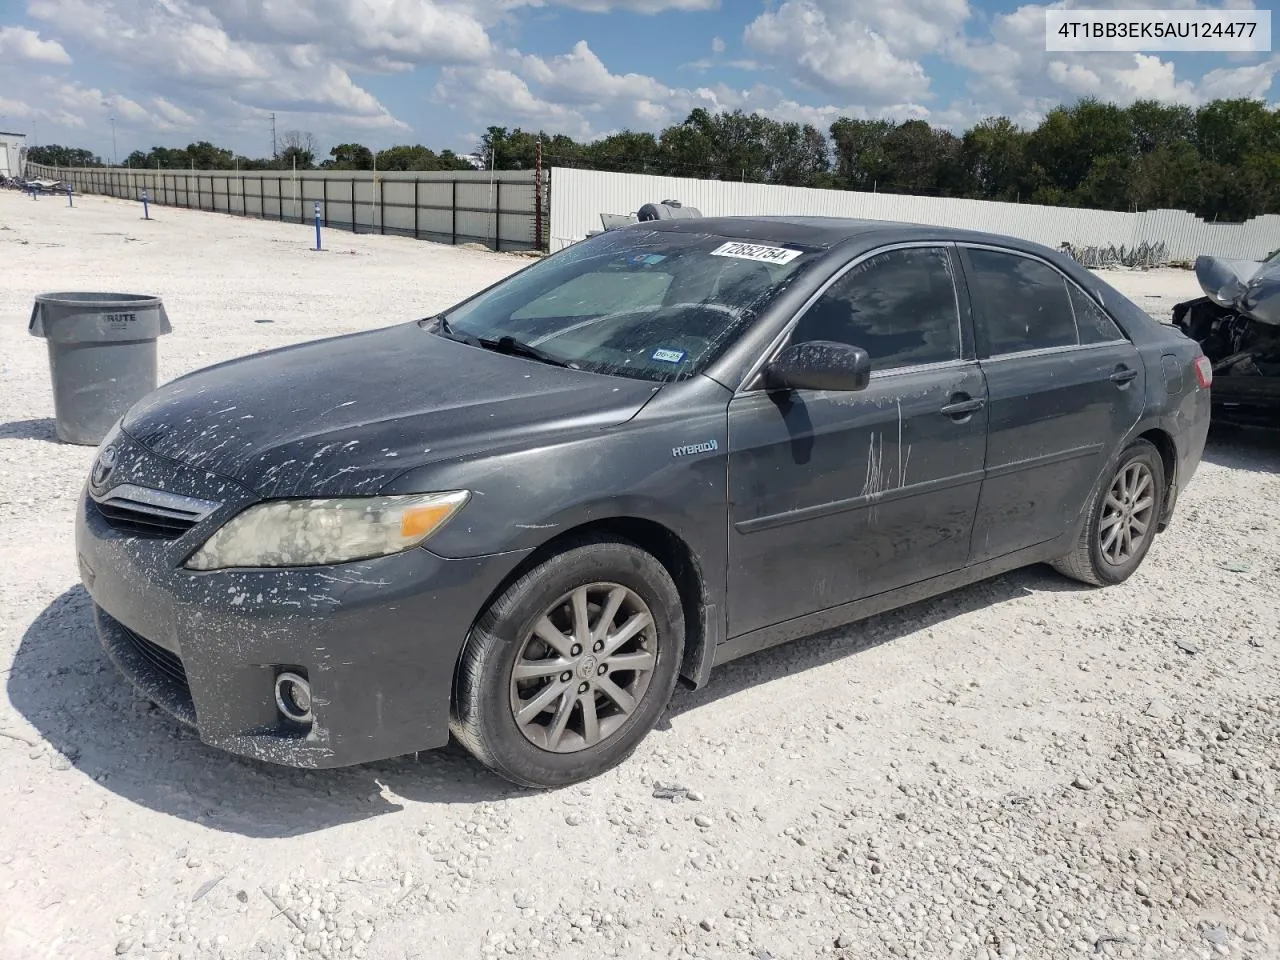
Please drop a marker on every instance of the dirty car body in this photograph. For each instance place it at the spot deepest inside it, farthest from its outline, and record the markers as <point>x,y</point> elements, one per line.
<point>1237,323</point>
<point>658,450</point>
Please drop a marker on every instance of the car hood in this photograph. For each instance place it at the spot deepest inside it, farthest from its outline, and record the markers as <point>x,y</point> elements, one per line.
<point>345,415</point>
<point>1246,286</point>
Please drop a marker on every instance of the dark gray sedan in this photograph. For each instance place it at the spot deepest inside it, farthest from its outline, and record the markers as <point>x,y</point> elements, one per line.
<point>524,520</point>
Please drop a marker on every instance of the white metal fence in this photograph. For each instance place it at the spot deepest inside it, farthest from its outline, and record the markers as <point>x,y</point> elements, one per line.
<point>498,209</point>
<point>580,196</point>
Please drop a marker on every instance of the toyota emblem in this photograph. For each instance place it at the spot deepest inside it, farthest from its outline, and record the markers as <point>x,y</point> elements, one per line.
<point>103,466</point>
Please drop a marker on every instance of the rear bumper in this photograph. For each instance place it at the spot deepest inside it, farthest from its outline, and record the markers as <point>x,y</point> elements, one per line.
<point>1247,400</point>
<point>377,640</point>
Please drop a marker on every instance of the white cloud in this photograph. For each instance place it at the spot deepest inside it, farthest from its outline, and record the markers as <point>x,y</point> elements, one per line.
<point>400,31</point>
<point>859,47</point>
<point>634,6</point>
<point>580,77</point>
<point>502,95</point>
<point>219,68</point>
<point>172,114</point>
<point>1015,75</point>
<point>182,47</point>
<point>18,44</point>
<point>1252,81</point>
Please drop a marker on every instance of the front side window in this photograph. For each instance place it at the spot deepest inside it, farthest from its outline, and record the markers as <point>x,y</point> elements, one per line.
<point>1021,304</point>
<point>647,304</point>
<point>899,306</point>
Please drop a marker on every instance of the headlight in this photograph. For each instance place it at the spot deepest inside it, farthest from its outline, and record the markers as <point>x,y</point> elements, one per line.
<point>300,533</point>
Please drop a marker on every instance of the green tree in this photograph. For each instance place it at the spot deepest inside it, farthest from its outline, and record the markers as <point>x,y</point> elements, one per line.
<point>518,149</point>
<point>1157,125</point>
<point>349,156</point>
<point>1228,131</point>
<point>54,155</point>
<point>1070,140</point>
<point>797,156</point>
<point>919,159</point>
<point>1168,178</point>
<point>299,151</point>
<point>860,159</point>
<point>624,152</point>
<point>419,157</point>
<point>205,156</point>
<point>993,160</point>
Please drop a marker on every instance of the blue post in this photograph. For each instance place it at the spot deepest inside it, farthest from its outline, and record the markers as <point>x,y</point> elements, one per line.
<point>317,208</point>
<point>146,212</point>
<point>70,202</point>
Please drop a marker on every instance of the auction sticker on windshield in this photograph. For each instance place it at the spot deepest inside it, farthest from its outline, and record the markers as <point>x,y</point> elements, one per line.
<point>755,251</point>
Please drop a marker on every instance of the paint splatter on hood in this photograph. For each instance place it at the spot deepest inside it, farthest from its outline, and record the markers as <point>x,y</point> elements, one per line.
<point>345,415</point>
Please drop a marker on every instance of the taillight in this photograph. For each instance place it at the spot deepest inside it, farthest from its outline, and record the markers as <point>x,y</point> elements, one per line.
<point>1204,372</point>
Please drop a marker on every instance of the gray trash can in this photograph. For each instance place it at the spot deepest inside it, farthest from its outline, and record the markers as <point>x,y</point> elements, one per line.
<point>102,356</point>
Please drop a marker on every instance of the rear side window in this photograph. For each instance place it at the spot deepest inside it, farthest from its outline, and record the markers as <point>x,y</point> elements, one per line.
<point>899,306</point>
<point>1022,304</point>
<point>1094,325</point>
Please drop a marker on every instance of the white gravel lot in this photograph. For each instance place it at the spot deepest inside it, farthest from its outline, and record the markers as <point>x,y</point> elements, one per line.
<point>1022,768</point>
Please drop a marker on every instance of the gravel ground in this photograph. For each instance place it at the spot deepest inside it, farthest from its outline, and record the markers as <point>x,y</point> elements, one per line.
<point>1028,769</point>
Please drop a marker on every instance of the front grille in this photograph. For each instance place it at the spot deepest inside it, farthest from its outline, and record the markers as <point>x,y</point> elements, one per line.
<point>143,523</point>
<point>152,513</point>
<point>167,662</point>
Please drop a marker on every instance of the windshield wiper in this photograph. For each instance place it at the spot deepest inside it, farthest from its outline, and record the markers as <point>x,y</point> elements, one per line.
<point>505,344</point>
<point>445,330</point>
<point>518,348</point>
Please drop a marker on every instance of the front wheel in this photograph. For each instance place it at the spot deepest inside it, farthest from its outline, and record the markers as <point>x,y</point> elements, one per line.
<point>569,669</point>
<point>1121,520</point>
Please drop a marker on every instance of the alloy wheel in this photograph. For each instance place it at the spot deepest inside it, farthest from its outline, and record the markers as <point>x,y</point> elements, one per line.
<point>1127,513</point>
<point>583,669</point>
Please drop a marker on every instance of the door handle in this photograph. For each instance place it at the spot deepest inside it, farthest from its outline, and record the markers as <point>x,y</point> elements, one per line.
<point>962,408</point>
<point>1123,375</point>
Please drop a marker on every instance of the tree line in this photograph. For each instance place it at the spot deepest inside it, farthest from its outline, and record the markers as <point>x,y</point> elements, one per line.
<point>1221,160</point>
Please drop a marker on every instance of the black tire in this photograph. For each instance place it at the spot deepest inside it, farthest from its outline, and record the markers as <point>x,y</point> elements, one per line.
<point>483,716</point>
<point>1087,561</point>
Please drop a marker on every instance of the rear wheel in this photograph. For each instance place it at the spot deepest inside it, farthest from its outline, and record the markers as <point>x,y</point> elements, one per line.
<point>571,666</point>
<point>1121,520</point>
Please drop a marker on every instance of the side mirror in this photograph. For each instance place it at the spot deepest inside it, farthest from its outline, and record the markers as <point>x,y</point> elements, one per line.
<point>819,365</point>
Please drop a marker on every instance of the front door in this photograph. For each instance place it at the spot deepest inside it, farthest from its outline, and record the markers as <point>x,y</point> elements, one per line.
<point>836,496</point>
<point>1065,386</point>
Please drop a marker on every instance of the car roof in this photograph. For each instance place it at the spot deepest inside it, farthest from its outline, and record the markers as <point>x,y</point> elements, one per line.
<point>832,231</point>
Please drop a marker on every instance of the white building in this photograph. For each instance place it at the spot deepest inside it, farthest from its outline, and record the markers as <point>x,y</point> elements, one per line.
<point>12,148</point>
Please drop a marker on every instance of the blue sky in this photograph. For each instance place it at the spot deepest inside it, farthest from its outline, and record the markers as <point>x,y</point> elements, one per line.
<point>439,71</point>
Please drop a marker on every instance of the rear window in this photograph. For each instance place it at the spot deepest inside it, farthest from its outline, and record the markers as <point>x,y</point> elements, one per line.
<point>1092,322</point>
<point>1023,304</point>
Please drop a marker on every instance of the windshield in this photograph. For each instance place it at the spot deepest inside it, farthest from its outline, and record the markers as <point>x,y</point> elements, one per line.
<point>635,303</point>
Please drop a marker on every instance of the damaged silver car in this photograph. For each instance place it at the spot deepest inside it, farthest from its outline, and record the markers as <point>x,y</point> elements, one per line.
<point>1237,324</point>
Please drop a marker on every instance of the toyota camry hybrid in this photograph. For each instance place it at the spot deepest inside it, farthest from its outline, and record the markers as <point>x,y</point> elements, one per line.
<point>524,520</point>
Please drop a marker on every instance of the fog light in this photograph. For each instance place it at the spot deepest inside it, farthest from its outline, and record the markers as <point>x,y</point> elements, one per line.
<point>293,697</point>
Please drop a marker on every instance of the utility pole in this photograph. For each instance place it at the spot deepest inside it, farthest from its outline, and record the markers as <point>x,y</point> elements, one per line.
<point>274,153</point>
<point>115,157</point>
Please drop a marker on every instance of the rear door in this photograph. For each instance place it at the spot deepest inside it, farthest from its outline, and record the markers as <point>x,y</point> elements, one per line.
<point>1064,387</point>
<point>835,496</point>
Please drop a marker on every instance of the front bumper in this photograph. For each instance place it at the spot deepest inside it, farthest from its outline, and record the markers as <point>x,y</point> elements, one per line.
<point>378,640</point>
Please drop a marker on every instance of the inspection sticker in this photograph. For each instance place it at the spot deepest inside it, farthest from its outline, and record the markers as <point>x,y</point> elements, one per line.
<point>756,251</point>
<point>668,356</point>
